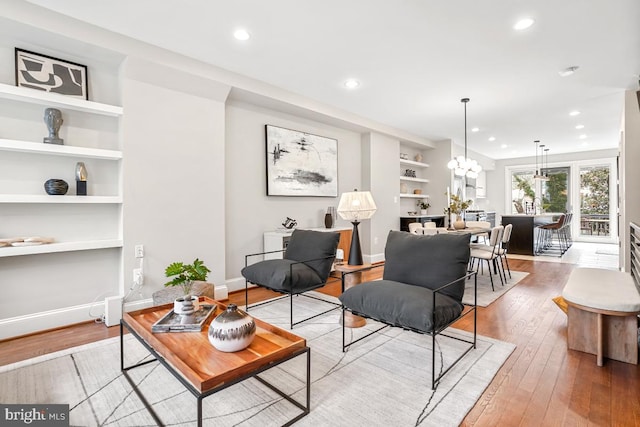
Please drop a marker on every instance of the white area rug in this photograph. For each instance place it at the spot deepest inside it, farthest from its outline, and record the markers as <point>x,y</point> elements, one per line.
<point>485,295</point>
<point>381,381</point>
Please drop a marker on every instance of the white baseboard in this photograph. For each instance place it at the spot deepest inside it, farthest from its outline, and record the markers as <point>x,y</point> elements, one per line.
<point>372,259</point>
<point>36,322</point>
<point>236,284</point>
<point>21,325</point>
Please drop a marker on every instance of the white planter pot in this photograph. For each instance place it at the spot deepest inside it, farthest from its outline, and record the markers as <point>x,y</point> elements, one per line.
<point>179,302</point>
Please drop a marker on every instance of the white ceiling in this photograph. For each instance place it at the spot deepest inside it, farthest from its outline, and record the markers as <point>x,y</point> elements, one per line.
<point>416,59</point>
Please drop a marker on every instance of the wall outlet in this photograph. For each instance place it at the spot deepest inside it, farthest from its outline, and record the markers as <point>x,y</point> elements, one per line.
<point>139,251</point>
<point>138,277</point>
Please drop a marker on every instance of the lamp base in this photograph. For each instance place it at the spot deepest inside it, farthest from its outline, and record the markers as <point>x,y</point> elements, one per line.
<point>355,252</point>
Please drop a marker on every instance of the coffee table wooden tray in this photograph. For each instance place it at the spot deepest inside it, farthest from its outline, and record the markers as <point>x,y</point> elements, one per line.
<point>193,356</point>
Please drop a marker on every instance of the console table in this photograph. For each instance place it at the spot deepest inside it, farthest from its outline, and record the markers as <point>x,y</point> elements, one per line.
<point>278,240</point>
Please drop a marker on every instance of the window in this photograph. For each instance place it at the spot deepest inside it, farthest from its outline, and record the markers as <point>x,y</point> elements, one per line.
<point>522,191</point>
<point>555,191</point>
<point>594,201</point>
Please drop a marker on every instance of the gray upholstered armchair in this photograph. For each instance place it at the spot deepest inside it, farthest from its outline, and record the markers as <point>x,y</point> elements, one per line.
<point>421,290</point>
<point>305,266</point>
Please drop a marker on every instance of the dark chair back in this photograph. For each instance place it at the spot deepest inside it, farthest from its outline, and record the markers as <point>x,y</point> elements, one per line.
<point>427,261</point>
<point>318,246</point>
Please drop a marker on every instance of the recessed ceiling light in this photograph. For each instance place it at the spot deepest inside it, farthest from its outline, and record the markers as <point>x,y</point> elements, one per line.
<point>492,138</point>
<point>504,146</point>
<point>475,129</point>
<point>568,71</point>
<point>351,84</point>
<point>523,24</point>
<point>574,113</point>
<point>579,126</point>
<point>583,136</point>
<point>241,34</point>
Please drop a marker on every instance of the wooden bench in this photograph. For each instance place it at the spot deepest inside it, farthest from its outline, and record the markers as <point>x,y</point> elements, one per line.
<point>603,314</point>
<point>603,308</point>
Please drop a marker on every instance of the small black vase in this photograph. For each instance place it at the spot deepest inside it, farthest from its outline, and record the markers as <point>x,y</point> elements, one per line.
<point>56,187</point>
<point>328,220</point>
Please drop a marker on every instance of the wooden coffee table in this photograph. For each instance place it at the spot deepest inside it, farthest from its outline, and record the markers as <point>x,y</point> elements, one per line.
<point>201,368</point>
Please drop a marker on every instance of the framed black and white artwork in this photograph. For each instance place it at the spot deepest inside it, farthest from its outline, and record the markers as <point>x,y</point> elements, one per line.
<point>48,74</point>
<point>300,164</point>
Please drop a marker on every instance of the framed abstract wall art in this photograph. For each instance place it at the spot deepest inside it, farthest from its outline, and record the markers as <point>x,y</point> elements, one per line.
<point>48,74</point>
<point>300,164</point>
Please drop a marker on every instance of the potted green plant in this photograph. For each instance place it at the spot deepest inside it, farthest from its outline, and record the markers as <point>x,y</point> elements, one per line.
<point>184,275</point>
<point>423,206</point>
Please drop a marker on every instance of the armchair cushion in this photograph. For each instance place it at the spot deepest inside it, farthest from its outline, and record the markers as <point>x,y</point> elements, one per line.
<point>427,261</point>
<point>306,264</point>
<point>276,274</point>
<point>401,304</point>
<point>317,249</point>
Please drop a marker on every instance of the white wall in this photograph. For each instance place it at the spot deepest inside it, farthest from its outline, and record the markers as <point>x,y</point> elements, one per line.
<point>381,178</point>
<point>249,211</point>
<point>630,173</point>
<point>174,172</point>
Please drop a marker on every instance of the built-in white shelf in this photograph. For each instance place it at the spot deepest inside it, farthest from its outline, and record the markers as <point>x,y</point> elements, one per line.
<point>414,196</point>
<point>414,163</point>
<point>49,99</point>
<point>58,150</point>
<point>50,248</point>
<point>412,179</point>
<point>45,198</point>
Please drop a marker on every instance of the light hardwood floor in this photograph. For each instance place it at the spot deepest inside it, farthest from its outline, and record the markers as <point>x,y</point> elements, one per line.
<point>541,384</point>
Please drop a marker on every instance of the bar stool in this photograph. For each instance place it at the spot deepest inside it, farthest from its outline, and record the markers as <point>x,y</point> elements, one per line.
<point>547,232</point>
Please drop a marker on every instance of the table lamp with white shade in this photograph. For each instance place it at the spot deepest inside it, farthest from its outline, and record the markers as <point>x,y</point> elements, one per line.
<point>356,206</point>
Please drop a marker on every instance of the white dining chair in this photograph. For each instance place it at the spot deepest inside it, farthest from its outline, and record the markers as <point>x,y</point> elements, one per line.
<point>491,254</point>
<point>416,228</point>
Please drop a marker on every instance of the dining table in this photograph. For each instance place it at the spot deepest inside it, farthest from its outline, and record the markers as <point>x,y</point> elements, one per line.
<point>466,230</point>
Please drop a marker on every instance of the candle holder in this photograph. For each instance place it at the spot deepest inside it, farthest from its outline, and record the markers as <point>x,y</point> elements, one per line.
<point>449,227</point>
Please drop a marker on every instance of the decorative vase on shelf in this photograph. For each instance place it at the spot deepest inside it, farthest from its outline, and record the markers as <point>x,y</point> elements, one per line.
<point>418,157</point>
<point>328,219</point>
<point>232,330</point>
<point>56,187</point>
<point>459,223</point>
<point>423,211</point>
<point>404,188</point>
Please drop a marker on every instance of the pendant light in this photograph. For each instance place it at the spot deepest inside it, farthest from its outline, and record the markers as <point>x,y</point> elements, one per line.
<point>543,174</point>
<point>463,165</point>
<point>538,175</point>
<point>546,168</point>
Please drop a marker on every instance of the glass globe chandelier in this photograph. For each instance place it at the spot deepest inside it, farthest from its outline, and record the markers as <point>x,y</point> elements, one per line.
<point>463,165</point>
